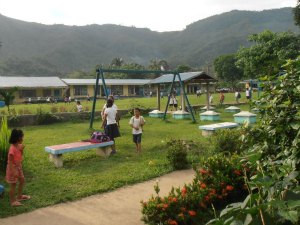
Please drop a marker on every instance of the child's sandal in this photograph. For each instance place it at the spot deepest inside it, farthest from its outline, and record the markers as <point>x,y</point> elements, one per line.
<point>23,198</point>
<point>16,204</point>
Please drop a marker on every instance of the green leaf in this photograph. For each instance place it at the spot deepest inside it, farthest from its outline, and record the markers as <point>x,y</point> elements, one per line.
<point>290,215</point>
<point>248,219</point>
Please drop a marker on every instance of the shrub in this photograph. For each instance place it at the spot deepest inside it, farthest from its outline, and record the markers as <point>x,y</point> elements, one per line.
<point>227,140</point>
<point>46,118</point>
<point>63,109</point>
<point>4,143</point>
<point>177,154</point>
<point>14,121</point>
<point>219,181</point>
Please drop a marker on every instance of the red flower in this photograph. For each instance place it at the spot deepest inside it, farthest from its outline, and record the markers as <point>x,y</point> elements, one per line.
<point>174,199</point>
<point>203,171</point>
<point>183,191</point>
<point>229,188</point>
<point>237,172</point>
<point>207,198</point>
<point>172,222</point>
<point>203,186</point>
<point>192,213</point>
<point>165,206</point>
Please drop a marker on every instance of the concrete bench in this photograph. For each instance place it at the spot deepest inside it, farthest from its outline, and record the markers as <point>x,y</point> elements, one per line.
<point>56,151</point>
<point>208,130</point>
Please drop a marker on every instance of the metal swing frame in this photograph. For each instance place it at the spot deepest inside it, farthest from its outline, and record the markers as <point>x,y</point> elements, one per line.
<point>100,74</point>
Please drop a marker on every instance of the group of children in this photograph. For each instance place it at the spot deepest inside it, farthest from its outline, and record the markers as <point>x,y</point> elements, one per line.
<point>110,123</point>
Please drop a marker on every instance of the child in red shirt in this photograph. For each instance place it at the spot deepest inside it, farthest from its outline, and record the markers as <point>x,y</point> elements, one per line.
<point>14,171</point>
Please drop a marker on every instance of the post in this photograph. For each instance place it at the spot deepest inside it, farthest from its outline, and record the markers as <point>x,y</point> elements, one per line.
<point>158,96</point>
<point>207,96</point>
<point>94,100</point>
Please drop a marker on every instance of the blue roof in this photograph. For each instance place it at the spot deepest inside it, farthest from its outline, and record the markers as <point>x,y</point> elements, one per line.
<point>199,76</point>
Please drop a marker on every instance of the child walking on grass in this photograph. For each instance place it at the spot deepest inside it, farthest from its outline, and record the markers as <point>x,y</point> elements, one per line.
<point>137,122</point>
<point>14,171</point>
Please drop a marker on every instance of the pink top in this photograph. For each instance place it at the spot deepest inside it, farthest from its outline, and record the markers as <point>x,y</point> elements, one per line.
<point>17,153</point>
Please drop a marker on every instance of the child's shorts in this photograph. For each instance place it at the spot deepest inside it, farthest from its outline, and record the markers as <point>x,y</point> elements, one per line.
<point>137,138</point>
<point>10,178</point>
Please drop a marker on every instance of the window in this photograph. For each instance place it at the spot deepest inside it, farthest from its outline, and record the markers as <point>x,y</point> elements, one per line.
<point>117,89</point>
<point>80,90</point>
<point>131,90</point>
<point>57,93</point>
<point>28,93</point>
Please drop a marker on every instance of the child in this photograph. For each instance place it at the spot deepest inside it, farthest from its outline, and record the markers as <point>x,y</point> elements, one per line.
<point>14,171</point>
<point>110,123</point>
<point>79,106</point>
<point>137,122</point>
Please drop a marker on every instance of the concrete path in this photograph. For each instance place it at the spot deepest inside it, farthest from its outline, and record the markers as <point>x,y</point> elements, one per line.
<point>121,206</point>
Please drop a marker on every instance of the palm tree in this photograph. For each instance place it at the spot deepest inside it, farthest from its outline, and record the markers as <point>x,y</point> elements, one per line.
<point>8,97</point>
<point>117,62</point>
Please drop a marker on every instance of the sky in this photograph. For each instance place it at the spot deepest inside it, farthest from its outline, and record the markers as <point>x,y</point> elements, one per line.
<point>157,15</point>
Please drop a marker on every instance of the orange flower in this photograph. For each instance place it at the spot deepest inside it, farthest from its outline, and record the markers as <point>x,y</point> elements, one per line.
<point>207,198</point>
<point>237,172</point>
<point>203,186</point>
<point>172,222</point>
<point>165,206</point>
<point>174,199</point>
<point>203,171</point>
<point>229,188</point>
<point>192,213</point>
<point>183,191</point>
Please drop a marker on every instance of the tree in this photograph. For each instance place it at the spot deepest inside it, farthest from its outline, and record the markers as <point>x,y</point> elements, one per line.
<point>183,68</point>
<point>227,70</point>
<point>267,54</point>
<point>296,11</point>
<point>117,62</point>
<point>8,97</point>
<point>156,64</point>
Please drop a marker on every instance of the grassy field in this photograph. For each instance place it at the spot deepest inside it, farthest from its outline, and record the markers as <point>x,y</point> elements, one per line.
<point>126,103</point>
<point>84,173</point>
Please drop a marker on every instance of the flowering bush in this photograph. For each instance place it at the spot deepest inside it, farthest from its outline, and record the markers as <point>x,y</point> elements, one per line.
<point>218,182</point>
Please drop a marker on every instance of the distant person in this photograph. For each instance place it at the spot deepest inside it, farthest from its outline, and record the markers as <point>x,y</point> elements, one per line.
<point>88,98</point>
<point>237,96</point>
<point>14,170</point>
<point>210,98</point>
<point>161,94</point>
<point>66,99</point>
<point>222,98</point>
<point>150,94</point>
<point>79,106</point>
<point>248,94</point>
<point>137,122</point>
<point>109,123</point>
<point>70,99</point>
<point>198,93</point>
<point>175,103</point>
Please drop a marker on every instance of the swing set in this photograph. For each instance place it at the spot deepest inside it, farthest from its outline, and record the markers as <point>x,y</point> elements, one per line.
<point>100,74</point>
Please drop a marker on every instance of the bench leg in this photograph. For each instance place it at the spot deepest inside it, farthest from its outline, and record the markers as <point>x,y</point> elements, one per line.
<point>57,160</point>
<point>104,151</point>
<point>206,133</point>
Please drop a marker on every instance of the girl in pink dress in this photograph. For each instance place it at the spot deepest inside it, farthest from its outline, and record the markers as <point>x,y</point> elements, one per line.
<point>14,171</point>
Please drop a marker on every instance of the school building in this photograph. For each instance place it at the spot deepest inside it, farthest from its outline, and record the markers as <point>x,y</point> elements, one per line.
<point>37,89</point>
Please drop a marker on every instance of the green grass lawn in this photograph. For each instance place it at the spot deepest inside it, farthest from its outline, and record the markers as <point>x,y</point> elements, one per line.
<point>126,103</point>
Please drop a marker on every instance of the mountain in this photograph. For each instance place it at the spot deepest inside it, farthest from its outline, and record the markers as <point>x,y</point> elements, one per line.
<point>33,49</point>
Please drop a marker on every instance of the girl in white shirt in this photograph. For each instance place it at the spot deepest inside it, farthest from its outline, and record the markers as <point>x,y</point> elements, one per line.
<point>109,118</point>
